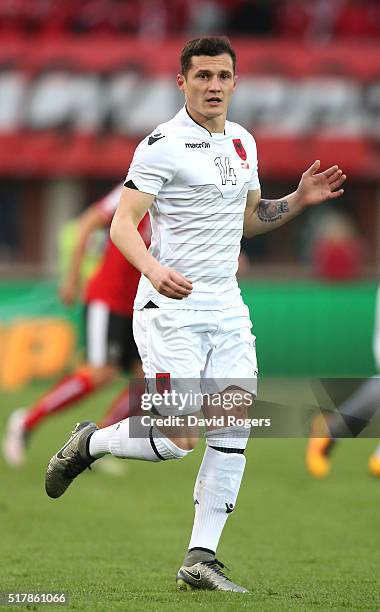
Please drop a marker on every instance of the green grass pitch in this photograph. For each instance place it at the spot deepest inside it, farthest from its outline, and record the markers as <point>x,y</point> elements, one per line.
<point>115,543</point>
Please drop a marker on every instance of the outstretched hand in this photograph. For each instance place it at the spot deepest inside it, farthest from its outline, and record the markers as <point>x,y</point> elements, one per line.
<point>316,187</point>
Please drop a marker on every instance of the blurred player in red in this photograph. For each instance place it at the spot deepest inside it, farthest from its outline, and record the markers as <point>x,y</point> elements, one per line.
<point>110,347</point>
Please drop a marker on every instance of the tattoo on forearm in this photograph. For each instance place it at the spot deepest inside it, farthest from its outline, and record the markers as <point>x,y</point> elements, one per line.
<point>272,210</point>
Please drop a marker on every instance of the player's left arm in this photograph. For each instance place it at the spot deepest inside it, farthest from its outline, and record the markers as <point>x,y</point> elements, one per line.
<point>262,215</point>
<point>88,222</point>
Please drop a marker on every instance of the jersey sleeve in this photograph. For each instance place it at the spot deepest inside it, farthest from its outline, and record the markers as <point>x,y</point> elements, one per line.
<point>254,182</point>
<point>153,164</point>
<point>108,205</point>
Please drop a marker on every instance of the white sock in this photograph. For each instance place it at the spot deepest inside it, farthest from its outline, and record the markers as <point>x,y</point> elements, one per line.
<point>228,438</point>
<point>215,493</point>
<point>145,443</point>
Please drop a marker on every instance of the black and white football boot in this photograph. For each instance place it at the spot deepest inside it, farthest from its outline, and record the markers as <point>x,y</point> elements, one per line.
<point>206,575</point>
<point>70,461</point>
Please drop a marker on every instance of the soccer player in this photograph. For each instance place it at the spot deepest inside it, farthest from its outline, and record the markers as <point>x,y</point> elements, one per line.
<point>110,347</point>
<point>197,177</point>
<point>352,416</point>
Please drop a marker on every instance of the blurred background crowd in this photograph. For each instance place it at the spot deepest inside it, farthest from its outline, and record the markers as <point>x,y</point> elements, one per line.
<point>82,81</point>
<point>319,20</point>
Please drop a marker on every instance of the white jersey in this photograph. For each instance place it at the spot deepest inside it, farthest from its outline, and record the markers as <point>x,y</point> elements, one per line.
<point>200,182</point>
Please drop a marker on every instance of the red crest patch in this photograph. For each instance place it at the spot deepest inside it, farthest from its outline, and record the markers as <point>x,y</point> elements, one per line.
<point>162,382</point>
<point>239,148</point>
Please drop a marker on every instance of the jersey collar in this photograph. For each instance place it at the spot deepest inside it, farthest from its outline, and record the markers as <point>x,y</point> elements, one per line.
<point>188,120</point>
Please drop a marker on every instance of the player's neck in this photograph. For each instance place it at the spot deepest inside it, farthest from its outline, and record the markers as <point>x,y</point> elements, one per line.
<point>215,125</point>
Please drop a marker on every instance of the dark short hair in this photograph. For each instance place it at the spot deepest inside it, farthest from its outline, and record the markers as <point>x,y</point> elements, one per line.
<point>207,45</point>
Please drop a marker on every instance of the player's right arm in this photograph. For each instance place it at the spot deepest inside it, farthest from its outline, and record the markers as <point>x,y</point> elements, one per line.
<point>133,205</point>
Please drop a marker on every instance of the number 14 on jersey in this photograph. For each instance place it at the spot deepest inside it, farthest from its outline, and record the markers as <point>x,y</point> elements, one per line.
<point>227,173</point>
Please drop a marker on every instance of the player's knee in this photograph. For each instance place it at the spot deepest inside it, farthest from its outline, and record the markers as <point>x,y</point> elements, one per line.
<point>188,443</point>
<point>238,412</point>
<point>240,403</point>
<point>184,435</point>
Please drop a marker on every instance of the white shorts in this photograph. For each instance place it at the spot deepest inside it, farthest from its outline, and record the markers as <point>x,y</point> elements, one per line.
<point>199,350</point>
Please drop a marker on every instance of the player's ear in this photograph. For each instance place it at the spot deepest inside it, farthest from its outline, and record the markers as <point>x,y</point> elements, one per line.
<point>181,82</point>
<point>235,80</point>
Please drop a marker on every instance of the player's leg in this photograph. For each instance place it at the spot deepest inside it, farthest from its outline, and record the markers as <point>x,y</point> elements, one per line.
<point>351,418</point>
<point>97,371</point>
<point>133,438</point>
<point>374,459</point>
<point>128,439</point>
<point>374,462</point>
<point>215,495</point>
<point>220,475</point>
<point>319,447</point>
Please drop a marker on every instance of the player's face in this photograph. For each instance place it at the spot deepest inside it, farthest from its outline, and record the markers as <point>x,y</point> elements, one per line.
<point>208,87</point>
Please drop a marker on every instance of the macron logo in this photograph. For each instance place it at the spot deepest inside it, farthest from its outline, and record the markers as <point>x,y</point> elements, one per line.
<point>197,145</point>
